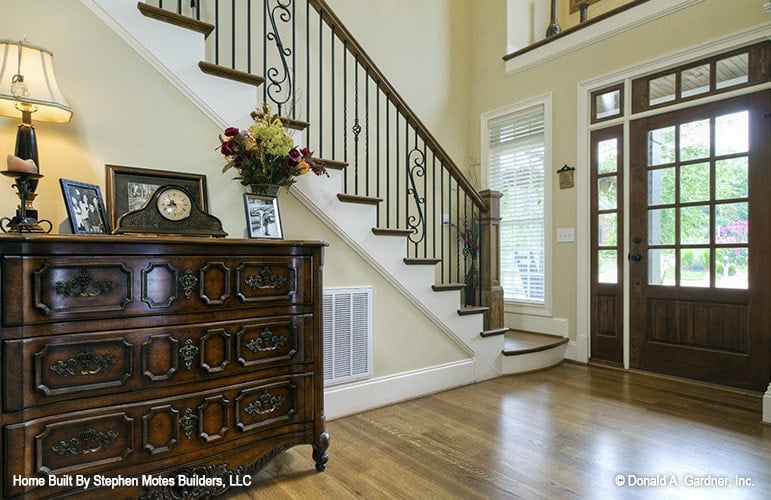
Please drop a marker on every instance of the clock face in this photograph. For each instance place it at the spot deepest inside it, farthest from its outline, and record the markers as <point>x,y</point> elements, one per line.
<point>174,204</point>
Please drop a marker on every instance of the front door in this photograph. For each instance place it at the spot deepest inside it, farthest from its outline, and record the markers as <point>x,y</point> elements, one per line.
<point>700,249</point>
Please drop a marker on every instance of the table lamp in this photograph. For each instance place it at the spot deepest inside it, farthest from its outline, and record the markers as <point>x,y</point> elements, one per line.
<point>28,86</point>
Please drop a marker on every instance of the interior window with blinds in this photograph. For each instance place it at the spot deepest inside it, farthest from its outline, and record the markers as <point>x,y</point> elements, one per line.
<point>516,151</point>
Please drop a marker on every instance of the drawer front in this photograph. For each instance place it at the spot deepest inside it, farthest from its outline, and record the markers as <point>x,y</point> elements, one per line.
<point>123,436</point>
<point>58,289</point>
<point>49,369</point>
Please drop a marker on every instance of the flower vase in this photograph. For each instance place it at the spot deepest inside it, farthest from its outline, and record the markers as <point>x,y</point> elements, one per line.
<point>472,282</point>
<point>270,190</point>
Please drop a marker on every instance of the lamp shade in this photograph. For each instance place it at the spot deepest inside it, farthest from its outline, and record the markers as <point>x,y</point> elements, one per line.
<point>28,83</point>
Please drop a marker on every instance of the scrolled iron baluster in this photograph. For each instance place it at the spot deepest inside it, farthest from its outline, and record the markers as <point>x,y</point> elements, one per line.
<point>416,224</point>
<point>280,78</point>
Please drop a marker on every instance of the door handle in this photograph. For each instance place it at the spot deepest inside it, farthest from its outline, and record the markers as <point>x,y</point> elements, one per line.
<point>635,257</point>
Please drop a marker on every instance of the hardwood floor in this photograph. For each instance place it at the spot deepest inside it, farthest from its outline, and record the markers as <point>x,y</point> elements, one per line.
<point>568,432</point>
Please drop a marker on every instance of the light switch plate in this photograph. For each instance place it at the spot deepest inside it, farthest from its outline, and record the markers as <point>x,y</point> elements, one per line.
<point>566,235</point>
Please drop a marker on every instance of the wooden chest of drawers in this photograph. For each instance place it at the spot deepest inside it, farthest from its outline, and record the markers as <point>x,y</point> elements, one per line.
<point>172,368</point>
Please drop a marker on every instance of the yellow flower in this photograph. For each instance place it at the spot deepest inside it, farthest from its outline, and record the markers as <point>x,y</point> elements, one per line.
<point>303,167</point>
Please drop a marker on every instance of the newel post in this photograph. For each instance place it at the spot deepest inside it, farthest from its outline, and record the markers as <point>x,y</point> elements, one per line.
<point>490,274</point>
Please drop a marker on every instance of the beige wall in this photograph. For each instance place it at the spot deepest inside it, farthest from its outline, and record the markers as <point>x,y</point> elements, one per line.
<point>125,113</point>
<point>491,89</point>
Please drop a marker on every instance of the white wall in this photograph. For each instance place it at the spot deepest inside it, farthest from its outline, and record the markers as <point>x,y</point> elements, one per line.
<point>125,113</point>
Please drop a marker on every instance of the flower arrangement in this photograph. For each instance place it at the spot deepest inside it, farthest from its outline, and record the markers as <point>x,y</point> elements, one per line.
<point>265,154</point>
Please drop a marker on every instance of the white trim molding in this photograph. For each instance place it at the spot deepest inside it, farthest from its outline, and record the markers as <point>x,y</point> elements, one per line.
<point>612,26</point>
<point>767,406</point>
<point>341,401</point>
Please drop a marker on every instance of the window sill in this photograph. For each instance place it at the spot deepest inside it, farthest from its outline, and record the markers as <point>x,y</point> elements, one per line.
<point>605,26</point>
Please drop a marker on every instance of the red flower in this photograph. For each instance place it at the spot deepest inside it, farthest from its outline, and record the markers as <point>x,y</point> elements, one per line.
<point>231,131</point>
<point>226,148</point>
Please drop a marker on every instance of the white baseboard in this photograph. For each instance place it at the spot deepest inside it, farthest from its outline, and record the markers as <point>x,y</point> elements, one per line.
<point>340,401</point>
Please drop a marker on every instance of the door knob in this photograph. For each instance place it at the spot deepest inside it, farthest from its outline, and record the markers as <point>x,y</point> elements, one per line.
<point>635,257</point>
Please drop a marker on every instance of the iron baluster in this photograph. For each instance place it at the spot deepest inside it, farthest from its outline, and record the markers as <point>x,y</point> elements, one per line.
<point>217,31</point>
<point>233,34</point>
<point>366,131</point>
<point>356,129</point>
<point>279,90</point>
<point>416,224</point>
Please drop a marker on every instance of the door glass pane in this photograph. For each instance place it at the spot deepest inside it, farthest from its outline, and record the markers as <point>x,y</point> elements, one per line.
<point>606,193</point>
<point>732,133</point>
<point>694,140</point>
<point>731,265</point>
<point>731,178</point>
<point>694,182</point>
<point>694,267</point>
<point>694,225</point>
<point>694,81</point>
<point>607,156</point>
<point>731,223</point>
<point>661,186</point>
<point>607,230</point>
<point>732,70</point>
<point>661,266</point>
<point>608,104</point>
<point>662,89</point>
<point>608,266</point>
<point>661,146</point>
<point>661,226</point>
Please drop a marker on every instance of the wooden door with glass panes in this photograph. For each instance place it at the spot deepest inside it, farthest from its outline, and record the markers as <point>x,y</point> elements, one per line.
<point>700,242</point>
<point>607,322</point>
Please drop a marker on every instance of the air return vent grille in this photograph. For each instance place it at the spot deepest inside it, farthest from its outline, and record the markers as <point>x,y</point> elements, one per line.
<point>347,334</point>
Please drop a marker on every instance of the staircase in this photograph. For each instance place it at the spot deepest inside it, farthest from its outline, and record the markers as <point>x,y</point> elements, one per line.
<point>395,197</point>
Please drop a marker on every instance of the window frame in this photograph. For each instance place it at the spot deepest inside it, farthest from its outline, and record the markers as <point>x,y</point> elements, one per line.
<point>545,100</point>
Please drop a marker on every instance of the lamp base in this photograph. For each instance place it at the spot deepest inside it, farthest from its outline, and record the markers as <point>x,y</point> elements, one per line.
<point>25,220</point>
<point>19,224</point>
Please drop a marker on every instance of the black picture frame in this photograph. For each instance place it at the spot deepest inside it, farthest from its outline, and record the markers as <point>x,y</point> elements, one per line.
<point>128,188</point>
<point>262,217</point>
<point>85,207</point>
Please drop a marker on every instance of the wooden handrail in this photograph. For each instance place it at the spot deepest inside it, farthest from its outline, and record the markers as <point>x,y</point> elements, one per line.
<point>385,86</point>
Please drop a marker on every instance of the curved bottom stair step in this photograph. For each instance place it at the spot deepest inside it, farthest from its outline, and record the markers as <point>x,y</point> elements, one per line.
<point>526,352</point>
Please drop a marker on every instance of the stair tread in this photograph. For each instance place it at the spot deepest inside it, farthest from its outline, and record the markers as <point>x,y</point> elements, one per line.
<point>334,164</point>
<point>526,342</point>
<point>391,231</point>
<point>421,262</point>
<point>287,122</point>
<point>352,198</point>
<point>465,311</point>
<point>448,287</point>
<point>230,73</point>
<point>495,331</point>
<point>170,17</point>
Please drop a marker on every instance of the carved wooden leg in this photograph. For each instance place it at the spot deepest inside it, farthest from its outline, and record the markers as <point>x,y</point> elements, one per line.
<point>320,451</point>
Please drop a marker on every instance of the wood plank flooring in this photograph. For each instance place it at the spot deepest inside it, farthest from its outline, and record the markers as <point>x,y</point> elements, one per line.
<point>567,432</point>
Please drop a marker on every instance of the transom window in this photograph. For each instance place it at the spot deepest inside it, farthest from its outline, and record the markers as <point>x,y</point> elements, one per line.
<point>710,76</point>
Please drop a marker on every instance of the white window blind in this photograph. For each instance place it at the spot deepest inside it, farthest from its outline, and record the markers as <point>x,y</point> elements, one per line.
<point>516,168</point>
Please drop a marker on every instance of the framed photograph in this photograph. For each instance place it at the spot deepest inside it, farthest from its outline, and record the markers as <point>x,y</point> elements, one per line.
<point>262,218</point>
<point>128,188</point>
<point>85,207</point>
